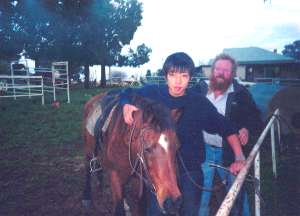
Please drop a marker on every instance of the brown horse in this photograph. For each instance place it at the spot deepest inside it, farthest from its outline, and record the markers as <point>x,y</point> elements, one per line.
<point>141,154</point>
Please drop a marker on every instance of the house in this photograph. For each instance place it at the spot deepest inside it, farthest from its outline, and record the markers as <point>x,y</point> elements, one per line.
<point>255,63</point>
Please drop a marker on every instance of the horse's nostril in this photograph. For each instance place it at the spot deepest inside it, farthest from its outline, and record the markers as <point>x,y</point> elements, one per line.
<point>178,202</point>
<point>168,205</point>
<point>171,206</point>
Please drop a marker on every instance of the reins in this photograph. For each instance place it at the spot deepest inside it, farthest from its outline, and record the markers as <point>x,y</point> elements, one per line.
<point>193,181</point>
<point>139,163</point>
<point>249,178</point>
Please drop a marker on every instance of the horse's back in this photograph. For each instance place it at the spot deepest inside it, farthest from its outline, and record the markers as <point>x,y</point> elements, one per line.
<point>90,104</point>
<point>99,98</point>
<point>96,112</point>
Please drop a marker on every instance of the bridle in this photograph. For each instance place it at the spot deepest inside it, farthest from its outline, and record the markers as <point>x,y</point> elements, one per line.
<point>139,165</point>
<point>187,173</point>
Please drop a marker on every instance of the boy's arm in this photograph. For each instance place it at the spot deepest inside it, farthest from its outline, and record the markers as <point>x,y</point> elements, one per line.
<point>125,96</point>
<point>126,101</point>
<point>128,110</point>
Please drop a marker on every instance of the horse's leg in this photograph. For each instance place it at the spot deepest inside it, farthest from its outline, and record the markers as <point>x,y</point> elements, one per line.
<point>86,201</point>
<point>99,175</point>
<point>88,148</point>
<point>117,193</point>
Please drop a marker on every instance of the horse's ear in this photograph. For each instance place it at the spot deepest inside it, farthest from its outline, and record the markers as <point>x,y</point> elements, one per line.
<point>176,113</point>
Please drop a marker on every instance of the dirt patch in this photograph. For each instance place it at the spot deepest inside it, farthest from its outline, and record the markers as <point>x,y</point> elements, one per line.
<point>48,184</point>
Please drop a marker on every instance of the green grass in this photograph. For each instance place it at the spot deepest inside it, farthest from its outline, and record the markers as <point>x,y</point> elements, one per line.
<point>25,122</point>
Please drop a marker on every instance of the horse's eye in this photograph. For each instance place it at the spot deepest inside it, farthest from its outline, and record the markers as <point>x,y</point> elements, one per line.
<point>148,149</point>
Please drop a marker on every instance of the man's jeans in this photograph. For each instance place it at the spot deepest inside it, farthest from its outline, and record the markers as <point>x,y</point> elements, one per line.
<point>241,206</point>
<point>214,156</point>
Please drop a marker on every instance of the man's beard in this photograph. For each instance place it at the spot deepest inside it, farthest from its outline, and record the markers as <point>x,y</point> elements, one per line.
<point>216,84</point>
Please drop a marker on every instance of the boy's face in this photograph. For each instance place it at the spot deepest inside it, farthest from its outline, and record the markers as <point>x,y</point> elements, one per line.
<point>177,82</point>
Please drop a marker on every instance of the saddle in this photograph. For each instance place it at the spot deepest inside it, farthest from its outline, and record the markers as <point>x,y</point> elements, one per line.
<point>99,119</point>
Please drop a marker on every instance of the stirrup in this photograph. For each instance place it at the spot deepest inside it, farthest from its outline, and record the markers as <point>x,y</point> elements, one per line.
<point>95,165</point>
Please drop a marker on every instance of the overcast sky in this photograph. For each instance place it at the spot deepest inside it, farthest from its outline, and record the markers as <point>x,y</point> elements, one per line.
<point>203,28</point>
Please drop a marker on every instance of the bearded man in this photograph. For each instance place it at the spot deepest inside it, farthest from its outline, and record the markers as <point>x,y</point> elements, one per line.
<point>235,102</point>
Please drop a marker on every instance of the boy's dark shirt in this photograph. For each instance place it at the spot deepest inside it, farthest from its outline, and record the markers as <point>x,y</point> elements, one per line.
<point>198,115</point>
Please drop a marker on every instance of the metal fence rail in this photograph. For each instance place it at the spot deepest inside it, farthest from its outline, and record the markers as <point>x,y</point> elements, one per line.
<point>279,81</point>
<point>161,80</point>
<point>230,198</point>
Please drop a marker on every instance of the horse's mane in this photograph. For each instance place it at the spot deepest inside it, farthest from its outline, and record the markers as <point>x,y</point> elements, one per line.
<point>154,113</point>
<point>158,114</point>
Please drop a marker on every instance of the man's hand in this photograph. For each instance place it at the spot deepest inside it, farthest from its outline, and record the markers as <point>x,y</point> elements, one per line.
<point>243,136</point>
<point>237,166</point>
<point>128,110</point>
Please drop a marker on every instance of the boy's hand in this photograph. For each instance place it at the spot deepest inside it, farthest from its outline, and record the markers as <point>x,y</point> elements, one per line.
<point>128,110</point>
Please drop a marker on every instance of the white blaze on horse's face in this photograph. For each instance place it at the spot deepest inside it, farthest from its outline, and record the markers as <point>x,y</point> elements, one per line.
<point>163,141</point>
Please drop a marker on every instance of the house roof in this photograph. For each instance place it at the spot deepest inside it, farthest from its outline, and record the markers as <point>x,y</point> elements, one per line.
<point>256,55</point>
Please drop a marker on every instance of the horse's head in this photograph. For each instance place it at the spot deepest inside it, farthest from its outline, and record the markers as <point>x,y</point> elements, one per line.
<point>156,144</point>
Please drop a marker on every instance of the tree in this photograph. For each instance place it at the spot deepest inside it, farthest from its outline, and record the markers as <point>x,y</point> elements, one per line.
<point>148,74</point>
<point>13,34</point>
<point>159,72</point>
<point>84,32</point>
<point>141,56</point>
<point>292,50</point>
<point>136,57</point>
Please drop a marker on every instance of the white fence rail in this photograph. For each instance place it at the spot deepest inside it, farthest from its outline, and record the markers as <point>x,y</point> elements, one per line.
<point>21,86</point>
<point>53,80</point>
<point>230,198</point>
<point>60,78</point>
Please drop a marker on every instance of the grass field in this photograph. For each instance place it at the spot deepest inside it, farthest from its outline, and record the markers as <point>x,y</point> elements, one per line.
<point>41,162</point>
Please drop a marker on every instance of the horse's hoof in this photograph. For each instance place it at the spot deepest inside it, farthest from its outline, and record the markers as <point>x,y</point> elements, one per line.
<point>87,204</point>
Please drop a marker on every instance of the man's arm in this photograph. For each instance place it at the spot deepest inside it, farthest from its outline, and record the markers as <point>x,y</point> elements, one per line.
<point>249,113</point>
<point>244,136</point>
<point>246,116</point>
<point>217,123</point>
<point>235,144</point>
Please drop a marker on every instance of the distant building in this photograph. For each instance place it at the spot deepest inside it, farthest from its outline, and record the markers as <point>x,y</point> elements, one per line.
<point>255,62</point>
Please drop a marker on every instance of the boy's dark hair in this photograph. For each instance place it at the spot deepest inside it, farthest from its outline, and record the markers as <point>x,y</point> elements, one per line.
<point>179,61</point>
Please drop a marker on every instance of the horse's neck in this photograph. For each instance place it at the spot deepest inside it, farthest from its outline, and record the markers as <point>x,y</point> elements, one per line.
<point>122,133</point>
<point>117,128</point>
